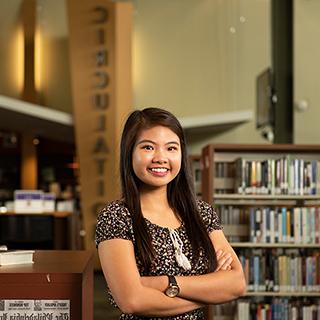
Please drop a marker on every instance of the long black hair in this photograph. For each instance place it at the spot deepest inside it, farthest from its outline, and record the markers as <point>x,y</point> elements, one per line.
<point>180,190</point>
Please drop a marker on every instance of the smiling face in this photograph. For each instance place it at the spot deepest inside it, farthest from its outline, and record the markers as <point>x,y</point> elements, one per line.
<point>156,157</point>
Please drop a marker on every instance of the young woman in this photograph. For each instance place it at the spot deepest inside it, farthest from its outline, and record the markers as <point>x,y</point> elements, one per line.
<point>163,252</point>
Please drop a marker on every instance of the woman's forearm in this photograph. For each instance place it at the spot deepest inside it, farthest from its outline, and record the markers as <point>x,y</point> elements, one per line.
<point>124,281</point>
<point>151,302</point>
<point>211,288</point>
<point>226,283</point>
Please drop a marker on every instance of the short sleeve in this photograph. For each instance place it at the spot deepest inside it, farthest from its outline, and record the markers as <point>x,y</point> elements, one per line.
<point>113,222</point>
<point>209,216</point>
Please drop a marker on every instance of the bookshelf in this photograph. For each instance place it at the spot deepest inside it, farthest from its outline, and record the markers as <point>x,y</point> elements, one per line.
<point>268,199</point>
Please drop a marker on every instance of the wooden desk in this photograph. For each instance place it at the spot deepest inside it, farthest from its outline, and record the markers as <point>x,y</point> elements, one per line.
<point>63,275</point>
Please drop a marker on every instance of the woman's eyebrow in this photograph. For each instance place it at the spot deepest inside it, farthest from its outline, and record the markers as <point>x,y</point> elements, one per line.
<point>150,141</point>
<point>173,142</point>
<point>146,141</point>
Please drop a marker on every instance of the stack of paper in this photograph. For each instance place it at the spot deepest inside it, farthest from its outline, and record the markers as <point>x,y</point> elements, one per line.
<point>12,257</point>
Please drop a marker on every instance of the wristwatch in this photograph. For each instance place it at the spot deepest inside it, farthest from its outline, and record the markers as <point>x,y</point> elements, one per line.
<point>173,288</point>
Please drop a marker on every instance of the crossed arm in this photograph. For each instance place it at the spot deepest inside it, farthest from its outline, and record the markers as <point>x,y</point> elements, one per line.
<point>145,295</point>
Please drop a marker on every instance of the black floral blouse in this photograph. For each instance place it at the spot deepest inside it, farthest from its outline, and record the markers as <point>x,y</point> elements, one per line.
<point>114,221</point>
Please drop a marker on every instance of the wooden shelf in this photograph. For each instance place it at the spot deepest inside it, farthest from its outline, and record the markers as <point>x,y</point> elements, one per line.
<point>236,229</point>
<point>234,196</point>
<point>282,294</point>
<point>265,148</point>
<point>56,214</point>
<point>265,200</point>
<point>255,203</point>
<point>273,245</point>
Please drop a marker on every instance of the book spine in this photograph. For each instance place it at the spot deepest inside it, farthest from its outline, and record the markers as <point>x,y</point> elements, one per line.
<point>317,225</point>
<point>296,218</point>
<point>280,222</point>
<point>284,224</point>
<point>301,180</point>
<point>272,226</point>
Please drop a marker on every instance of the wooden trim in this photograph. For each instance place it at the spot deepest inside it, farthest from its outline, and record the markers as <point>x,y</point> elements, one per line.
<point>253,245</point>
<point>307,148</point>
<point>282,294</point>
<point>56,214</point>
<point>194,157</point>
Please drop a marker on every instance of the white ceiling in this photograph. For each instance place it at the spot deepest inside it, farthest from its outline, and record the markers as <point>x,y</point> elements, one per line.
<point>21,116</point>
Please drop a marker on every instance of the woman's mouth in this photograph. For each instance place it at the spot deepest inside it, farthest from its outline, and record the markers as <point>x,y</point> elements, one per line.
<point>159,171</point>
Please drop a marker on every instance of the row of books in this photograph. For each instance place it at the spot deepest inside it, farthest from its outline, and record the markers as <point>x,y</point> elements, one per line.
<point>224,177</point>
<point>281,270</point>
<point>285,225</point>
<point>229,214</point>
<point>278,309</point>
<point>299,225</point>
<point>277,176</point>
<point>224,169</point>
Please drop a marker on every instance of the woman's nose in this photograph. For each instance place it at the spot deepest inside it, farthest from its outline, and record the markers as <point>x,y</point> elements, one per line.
<point>159,160</point>
<point>159,157</point>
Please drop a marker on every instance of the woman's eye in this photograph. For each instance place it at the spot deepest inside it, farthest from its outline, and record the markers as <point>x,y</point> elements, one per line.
<point>172,148</point>
<point>147,147</point>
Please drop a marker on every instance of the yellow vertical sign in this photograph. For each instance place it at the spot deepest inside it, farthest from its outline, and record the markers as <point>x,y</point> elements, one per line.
<point>100,59</point>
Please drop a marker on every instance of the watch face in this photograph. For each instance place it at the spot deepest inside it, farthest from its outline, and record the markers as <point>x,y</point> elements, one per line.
<point>172,291</point>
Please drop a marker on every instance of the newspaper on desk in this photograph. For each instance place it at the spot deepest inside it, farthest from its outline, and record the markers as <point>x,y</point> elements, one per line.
<point>34,309</point>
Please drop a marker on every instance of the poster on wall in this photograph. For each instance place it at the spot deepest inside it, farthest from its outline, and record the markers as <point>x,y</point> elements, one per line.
<point>34,309</point>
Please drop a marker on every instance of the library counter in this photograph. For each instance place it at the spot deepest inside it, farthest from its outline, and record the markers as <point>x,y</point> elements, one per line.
<point>55,275</point>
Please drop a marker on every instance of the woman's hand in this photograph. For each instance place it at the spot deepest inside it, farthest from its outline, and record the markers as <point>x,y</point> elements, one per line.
<point>224,260</point>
